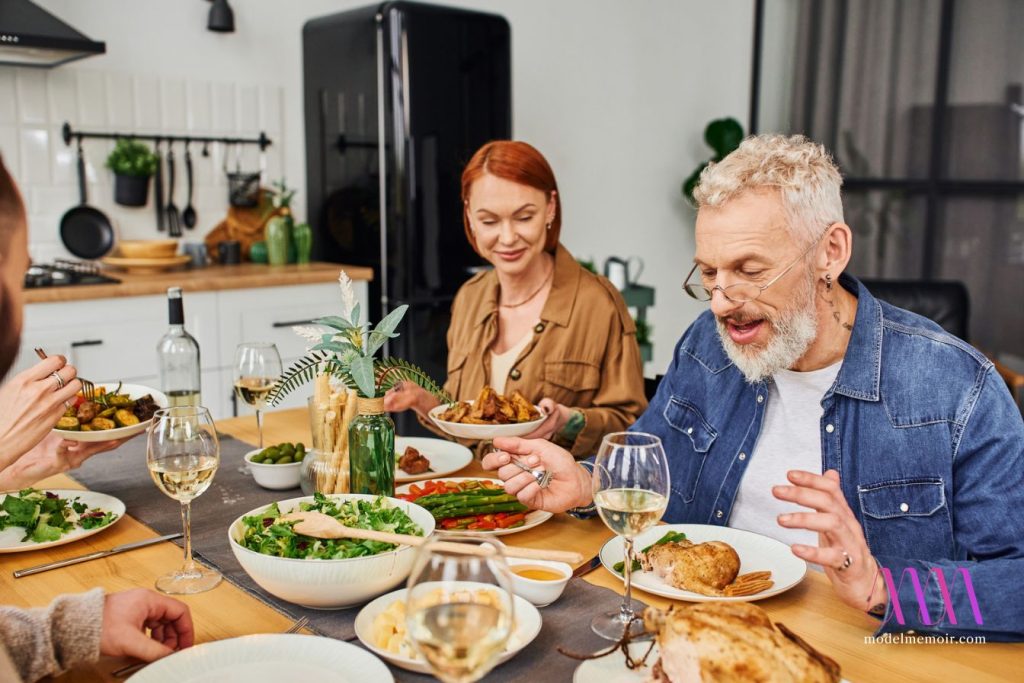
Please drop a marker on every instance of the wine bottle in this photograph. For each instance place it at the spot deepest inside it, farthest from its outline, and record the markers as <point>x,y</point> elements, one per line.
<point>178,355</point>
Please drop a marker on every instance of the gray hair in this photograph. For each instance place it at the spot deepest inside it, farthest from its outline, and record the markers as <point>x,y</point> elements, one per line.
<point>802,170</point>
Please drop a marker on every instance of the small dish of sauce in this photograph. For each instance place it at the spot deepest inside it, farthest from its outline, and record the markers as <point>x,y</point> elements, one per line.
<point>536,573</point>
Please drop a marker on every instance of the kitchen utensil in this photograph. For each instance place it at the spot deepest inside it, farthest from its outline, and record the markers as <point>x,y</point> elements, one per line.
<point>158,187</point>
<point>243,187</point>
<point>229,252</point>
<point>189,215</point>
<point>587,567</point>
<point>173,216</point>
<point>85,230</point>
<point>38,569</point>
<point>319,525</point>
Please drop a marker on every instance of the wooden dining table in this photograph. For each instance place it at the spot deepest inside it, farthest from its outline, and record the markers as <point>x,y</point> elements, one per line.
<point>811,609</point>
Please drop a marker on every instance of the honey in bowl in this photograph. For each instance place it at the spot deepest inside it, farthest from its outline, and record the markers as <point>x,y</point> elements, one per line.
<point>536,573</point>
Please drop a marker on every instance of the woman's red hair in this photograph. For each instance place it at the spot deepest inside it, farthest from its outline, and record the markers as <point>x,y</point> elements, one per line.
<point>521,163</point>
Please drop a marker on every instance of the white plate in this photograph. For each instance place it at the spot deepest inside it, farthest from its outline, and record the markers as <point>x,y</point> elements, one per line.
<point>10,538</point>
<point>268,658</point>
<point>757,553</point>
<point>533,517</point>
<point>483,432</point>
<point>446,457</point>
<point>612,669</point>
<point>527,622</point>
<point>135,391</point>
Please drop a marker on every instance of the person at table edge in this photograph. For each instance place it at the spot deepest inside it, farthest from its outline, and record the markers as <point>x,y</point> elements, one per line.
<point>538,322</point>
<point>901,444</point>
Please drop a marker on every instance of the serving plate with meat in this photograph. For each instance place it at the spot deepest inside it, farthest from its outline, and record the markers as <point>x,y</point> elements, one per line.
<point>429,458</point>
<point>702,563</point>
<point>489,416</point>
<point>119,411</point>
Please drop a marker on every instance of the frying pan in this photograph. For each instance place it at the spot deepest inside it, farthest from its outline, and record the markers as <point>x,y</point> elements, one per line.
<point>86,231</point>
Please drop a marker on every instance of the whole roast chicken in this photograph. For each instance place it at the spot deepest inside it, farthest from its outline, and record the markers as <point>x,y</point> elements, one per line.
<point>732,643</point>
<point>705,568</point>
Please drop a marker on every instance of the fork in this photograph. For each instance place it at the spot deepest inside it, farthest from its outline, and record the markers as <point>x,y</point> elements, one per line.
<point>132,668</point>
<point>543,477</point>
<point>88,388</point>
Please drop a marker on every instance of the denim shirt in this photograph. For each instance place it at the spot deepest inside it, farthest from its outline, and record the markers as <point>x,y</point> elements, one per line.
<point>927,441</point>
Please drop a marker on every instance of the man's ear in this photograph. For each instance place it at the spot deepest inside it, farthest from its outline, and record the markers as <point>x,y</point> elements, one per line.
<point>838,242</point>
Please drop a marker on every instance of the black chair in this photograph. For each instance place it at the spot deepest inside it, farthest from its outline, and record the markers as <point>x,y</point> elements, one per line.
<point>947,303</point>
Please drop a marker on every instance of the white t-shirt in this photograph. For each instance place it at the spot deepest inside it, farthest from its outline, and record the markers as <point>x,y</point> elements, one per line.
<point>790,440</point>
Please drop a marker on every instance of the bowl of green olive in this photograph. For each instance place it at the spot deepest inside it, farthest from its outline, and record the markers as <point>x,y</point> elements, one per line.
<point>277,467</point>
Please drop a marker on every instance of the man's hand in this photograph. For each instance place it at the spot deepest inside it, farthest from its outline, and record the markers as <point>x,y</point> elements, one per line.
<point>127,616</point>
<point>30,405</point>
<point>52,455</point>
<point>570,484</point>
<point>838,531</point>
<point>556,415</point>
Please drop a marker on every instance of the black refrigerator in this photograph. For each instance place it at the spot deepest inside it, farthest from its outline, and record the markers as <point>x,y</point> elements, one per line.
<point>398,96</point>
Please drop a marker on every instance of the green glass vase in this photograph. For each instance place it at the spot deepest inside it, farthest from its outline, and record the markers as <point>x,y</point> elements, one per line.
<point>278,236</point>
<point>302,238</point>
<point>371,449</point>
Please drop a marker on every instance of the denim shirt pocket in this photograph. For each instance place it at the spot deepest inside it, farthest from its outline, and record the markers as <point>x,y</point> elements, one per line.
<point>689,447</point>
<point>906,517</point>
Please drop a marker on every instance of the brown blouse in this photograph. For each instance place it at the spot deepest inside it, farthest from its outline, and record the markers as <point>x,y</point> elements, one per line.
<point>583,353</point>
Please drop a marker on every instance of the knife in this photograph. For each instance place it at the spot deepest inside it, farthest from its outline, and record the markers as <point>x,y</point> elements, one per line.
<point>587,567</point>
<point>93,556</point>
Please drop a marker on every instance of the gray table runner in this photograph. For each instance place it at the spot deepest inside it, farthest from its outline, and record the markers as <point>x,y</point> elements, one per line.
<point>123,474</point>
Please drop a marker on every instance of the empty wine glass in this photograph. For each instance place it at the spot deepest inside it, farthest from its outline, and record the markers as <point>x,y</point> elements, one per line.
<point>459,607</point>
<point>182,454</point>
<point>631,488</point>
<point>257,367</point>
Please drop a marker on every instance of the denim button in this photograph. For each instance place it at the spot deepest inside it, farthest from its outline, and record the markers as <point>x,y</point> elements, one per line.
<point>689,430</point>
<point>904,507</point>
<point>743,456</point>
<point>829,428</point>
<point>718,515</point>
<point>760,398</point>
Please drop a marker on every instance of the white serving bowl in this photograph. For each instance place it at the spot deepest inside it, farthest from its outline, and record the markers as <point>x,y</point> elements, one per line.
<point>274,477</point>
<point>329,584</point>
<point>480,432</point>
<point>540,593</point>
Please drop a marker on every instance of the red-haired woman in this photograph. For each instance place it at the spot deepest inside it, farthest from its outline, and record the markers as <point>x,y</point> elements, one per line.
<point>537,322</point>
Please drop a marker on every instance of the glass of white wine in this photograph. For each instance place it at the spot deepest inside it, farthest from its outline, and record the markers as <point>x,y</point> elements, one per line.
<point>459,607</point>
<point>257,368</point>
<point>182,454</point>
<point>631,489</point>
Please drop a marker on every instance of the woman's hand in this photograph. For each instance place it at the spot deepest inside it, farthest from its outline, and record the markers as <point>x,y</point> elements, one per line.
<point>406,395</point>
<point>128,615</point>
<point>570,483</point>
<point>556,417</point>
<point>52,455</point>
<point>840,536</point>
<point>30,405</point>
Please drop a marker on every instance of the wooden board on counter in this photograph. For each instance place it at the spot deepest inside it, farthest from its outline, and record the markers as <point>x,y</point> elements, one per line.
<point>211,278</point>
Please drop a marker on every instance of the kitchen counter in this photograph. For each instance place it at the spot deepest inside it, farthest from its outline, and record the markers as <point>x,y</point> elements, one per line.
<point>211,278</point>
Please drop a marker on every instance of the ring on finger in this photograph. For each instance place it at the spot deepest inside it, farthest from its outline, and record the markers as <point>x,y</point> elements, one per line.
<point>847,562</point>
<point>60,380</point>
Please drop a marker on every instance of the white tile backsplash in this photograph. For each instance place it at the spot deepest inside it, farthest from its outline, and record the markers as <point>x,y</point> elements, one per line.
<point>35,104</point>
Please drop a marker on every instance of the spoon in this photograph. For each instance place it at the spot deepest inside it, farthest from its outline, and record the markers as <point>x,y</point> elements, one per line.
<point>188,216</point>
<point>319,525</point>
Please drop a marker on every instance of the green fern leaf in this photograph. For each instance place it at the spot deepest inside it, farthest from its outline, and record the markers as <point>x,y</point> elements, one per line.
<point>301,372</point>
<point>391,371</point>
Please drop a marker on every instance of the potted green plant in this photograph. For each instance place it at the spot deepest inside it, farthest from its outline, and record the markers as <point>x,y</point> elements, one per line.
<point>723,136</point>
<point>132,163</point>
<point>347,351</point>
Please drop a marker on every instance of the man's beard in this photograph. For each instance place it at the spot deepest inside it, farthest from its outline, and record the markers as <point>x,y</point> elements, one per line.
<point>793,331</point>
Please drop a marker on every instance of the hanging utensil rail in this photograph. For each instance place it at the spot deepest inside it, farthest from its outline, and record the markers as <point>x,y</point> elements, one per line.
<point>69,134</point>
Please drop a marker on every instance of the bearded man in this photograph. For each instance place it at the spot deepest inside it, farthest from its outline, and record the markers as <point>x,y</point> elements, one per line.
<point>802,408</point>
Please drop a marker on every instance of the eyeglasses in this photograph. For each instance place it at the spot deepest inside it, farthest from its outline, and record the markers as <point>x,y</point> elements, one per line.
<point>741,292</point>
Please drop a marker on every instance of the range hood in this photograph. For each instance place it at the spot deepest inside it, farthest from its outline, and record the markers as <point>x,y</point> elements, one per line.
<point>31,36</point>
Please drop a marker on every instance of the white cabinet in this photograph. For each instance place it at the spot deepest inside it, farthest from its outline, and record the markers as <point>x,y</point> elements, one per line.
<point>115,339</point>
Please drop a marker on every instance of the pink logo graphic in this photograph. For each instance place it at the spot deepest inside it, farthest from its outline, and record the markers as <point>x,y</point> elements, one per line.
<point>919,590</point>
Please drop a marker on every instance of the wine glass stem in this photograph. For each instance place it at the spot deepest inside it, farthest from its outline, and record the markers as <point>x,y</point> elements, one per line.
<point>627,570</point>
<point>259,425</point>
<point>186,522</point>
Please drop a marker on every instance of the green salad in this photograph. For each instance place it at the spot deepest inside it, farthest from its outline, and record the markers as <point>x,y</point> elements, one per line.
<point>45,516</point>
<point>265,534</point>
